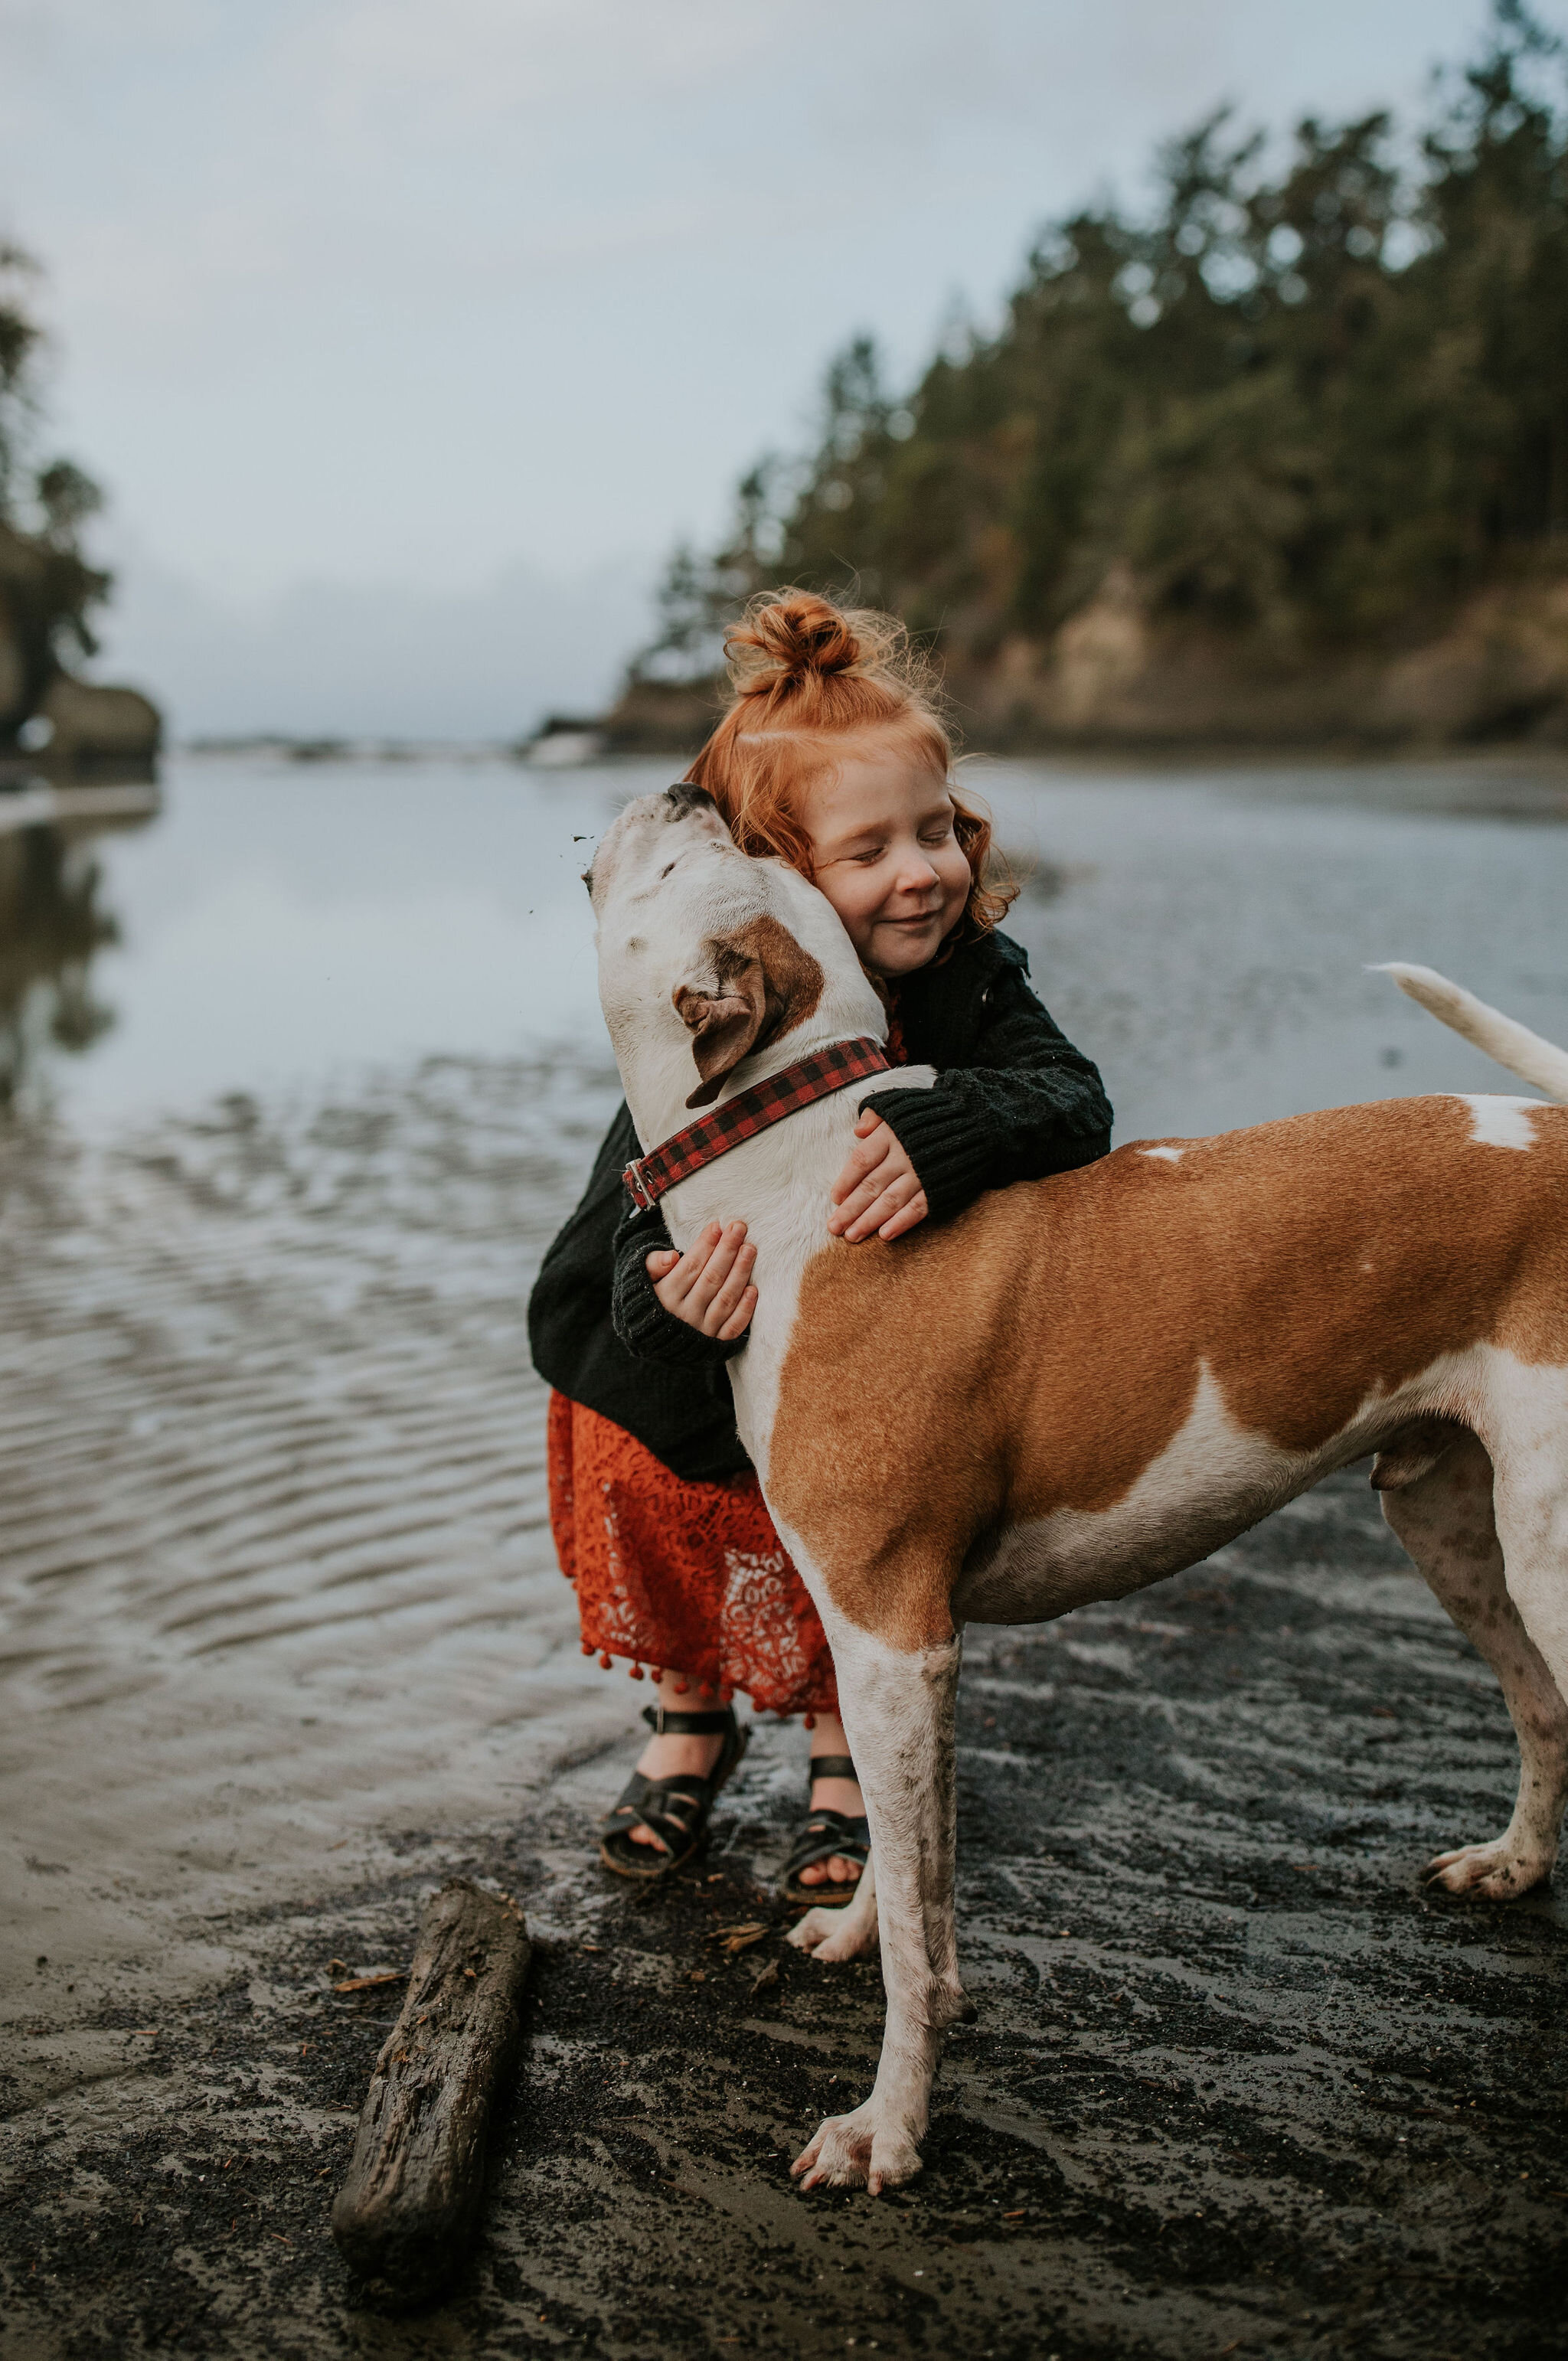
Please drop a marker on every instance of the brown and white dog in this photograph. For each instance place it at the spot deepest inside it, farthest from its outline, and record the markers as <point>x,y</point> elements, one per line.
<point>1083,1384</point>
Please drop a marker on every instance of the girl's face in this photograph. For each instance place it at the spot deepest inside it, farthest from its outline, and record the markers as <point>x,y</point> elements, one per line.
<point>885,854</point>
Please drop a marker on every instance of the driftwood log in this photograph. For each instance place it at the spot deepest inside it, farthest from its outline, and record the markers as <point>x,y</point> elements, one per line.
<point>403,2216</point>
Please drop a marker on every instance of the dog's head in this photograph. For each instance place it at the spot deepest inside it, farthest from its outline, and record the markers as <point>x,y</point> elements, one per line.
<point>709,958</point>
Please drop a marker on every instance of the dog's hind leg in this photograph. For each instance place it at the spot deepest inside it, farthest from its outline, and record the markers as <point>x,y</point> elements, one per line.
<point>1444,1517</point>
<point>898,1712</point>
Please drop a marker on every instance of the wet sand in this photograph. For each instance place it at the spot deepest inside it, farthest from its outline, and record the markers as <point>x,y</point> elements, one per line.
<point>1236,2084</point>
<point>285,1643</point>
<point>269,1438</point>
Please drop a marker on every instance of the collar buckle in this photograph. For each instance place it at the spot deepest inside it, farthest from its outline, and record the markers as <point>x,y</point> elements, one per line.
<point>642,1197</point>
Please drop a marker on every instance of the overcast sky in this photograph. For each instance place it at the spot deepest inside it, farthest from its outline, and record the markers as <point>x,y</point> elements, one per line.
<point>407,335</point>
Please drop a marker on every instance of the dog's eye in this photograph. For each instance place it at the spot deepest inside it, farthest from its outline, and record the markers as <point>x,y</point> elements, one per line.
<point>665,871</point>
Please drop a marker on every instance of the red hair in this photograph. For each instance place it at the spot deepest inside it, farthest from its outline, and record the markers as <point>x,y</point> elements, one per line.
<point>807,676</point>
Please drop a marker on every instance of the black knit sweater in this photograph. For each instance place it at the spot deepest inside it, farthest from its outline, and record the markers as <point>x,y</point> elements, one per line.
<point>1013,1101</point>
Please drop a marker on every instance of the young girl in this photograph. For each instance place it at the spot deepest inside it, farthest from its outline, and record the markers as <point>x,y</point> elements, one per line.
<point>834,757</point>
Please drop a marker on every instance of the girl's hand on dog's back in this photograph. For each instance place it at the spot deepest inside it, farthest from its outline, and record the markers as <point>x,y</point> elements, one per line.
<point>710,1286</point>
<point>878,1194</point>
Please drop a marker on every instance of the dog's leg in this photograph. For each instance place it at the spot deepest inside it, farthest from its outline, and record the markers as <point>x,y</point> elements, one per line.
<point>898,1712</point>
<point>1445,1520</point>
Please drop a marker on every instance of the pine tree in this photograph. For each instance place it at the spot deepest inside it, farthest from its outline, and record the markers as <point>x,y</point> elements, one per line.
<point>48,589</point>
<point>1308,404</point>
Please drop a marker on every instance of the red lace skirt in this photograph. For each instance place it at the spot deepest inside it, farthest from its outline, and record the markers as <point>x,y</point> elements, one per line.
<point>686,1577</point>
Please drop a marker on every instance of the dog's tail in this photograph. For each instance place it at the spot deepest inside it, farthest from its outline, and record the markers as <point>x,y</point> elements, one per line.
<point>1515,1046</point>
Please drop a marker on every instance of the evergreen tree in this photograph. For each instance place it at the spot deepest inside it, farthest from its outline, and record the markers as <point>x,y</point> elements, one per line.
<point>1305,400</point>
<point>48,589</point>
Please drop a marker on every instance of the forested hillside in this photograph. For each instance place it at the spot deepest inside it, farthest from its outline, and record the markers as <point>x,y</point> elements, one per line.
<point>1284,455</point>
<point>48,590</point>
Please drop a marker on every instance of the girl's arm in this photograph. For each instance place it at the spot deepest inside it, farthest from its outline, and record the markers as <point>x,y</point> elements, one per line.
<point>596,1266</point>
<point>641,1321</point>
<point>1025,1104</point>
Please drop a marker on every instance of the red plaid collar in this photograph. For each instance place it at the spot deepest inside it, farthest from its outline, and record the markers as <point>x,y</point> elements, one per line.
<point>749,1112</point>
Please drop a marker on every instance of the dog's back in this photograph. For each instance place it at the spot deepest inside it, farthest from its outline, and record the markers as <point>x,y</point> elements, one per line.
<point>1140,1358</point>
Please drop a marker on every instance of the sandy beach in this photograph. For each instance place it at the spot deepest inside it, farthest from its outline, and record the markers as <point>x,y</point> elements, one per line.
<point>284,1642</point>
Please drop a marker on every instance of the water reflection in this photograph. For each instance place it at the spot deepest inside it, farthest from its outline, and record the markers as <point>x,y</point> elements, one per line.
<point>54,919</point>
<point>1202,934</point>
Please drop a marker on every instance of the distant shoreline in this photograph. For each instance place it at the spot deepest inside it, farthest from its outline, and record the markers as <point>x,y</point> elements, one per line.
<point>1507,770</point>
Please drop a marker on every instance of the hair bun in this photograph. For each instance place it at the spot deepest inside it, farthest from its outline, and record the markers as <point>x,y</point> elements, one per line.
<point>787,637</point>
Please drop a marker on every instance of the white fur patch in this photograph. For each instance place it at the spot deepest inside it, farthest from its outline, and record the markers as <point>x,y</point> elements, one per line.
<point>1501,1121</point>
<point>1213,1478</point>
<point>1164,1155</point>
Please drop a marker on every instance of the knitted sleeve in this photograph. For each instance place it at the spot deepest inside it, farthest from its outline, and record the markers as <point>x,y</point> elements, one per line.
<point>1028,1105</point>
<point>641,1321</point>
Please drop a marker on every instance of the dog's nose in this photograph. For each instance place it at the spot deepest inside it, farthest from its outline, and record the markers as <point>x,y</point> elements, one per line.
<point>682,797</point>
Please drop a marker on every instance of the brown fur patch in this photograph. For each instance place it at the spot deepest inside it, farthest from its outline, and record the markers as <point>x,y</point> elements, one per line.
<point>1042,1350</point>
<point>792,977</point>
<point>766,986</point>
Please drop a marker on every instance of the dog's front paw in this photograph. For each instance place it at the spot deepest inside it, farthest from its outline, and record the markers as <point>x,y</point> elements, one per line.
<point>835,1935</point>
<point>858,2151</point>
<point>1499,1871</point>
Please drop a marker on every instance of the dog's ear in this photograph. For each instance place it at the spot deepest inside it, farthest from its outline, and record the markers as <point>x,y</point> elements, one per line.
<point>725,1021</point>
<point>763,984</point>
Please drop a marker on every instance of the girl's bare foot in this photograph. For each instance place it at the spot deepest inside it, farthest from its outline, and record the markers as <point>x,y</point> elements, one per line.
<point>661,1758</point>
<point>833,1795</point>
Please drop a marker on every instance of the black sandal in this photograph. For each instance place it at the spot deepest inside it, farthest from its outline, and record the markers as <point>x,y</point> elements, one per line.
<point>824,1835</point>
<point>678,1808</point>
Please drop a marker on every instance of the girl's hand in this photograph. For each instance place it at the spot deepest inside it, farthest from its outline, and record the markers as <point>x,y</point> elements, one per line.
<point>878,1192</point>
<point>708,1286</point>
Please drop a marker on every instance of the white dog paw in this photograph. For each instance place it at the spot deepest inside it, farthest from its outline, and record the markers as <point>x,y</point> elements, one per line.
<point>1500,1870</point>
<point>829,1935</point>
<point>858,2151</point>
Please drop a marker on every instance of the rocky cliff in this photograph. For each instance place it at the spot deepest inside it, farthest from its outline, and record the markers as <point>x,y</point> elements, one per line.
<point>1113,674</point>
<point>59,722</point>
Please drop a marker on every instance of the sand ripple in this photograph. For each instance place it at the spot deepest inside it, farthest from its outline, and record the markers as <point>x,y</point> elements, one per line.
<point>264,1382</point>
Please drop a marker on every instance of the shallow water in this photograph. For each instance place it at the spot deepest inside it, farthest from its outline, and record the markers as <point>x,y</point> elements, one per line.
<point>1203,933</point>
<point>275,1573</point>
